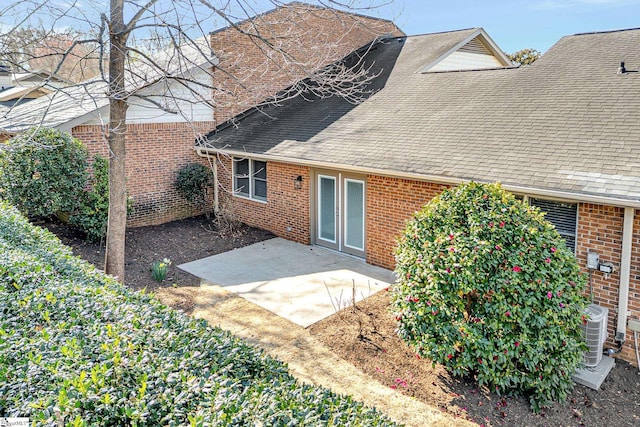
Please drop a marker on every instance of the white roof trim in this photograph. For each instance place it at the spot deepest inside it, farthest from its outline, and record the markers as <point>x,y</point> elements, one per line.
<point>484,37</point>
<point>99,113</point>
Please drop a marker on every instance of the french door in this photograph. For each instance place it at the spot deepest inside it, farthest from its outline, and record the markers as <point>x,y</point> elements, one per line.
<point>340,212</point>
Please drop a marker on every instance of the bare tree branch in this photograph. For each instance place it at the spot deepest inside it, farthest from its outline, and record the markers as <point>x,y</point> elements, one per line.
<point>164,56</point>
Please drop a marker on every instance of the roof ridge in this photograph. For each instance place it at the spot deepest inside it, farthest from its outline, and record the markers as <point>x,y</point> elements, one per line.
<point>606,31</point>
<point>445,32</point>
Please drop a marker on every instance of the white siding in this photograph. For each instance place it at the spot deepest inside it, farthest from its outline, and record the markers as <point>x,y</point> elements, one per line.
<point>466,61</point>
<point>176,97</point>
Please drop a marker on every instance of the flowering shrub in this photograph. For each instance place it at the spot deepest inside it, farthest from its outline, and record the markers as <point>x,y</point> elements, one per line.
<point>487,287</point>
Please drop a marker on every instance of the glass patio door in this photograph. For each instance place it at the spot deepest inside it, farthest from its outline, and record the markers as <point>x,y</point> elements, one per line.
<point>327,211</point>
<point>340,212</point>
<point>353,216</point>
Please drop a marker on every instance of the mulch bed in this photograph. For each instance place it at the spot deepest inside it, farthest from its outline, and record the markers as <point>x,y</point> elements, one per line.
<point>180,241</point>
<point>364,335</point>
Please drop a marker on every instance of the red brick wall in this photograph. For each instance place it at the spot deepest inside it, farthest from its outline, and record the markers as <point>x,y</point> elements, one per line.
<point>155,152</point>
<point>304,38</point>
<point>286,211</point>
<point>600,231</point>
<point>634,287</point>
<point>390,203</point>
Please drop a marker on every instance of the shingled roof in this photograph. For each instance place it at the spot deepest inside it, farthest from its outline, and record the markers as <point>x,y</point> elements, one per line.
<point>567,124</point>
<point>88,100</point>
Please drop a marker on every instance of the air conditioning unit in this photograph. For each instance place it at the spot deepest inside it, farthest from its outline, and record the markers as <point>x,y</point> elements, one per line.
<point>595,333</point>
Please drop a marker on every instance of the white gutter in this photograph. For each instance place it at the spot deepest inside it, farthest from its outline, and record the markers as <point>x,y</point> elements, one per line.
<point>549,194</point>
<point>625,273</point>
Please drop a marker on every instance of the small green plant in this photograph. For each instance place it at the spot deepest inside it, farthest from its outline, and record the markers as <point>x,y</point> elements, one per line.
<point>43,172</point>
<point>159,269</point>
<point>487,288</point>
<point>192,182</point>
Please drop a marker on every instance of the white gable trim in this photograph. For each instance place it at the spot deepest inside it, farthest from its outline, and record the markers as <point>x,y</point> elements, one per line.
<point>91,117</point>
<point>486,41</point>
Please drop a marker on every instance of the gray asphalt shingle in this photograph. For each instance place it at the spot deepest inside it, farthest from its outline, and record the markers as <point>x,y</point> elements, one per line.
<point>568,122</point>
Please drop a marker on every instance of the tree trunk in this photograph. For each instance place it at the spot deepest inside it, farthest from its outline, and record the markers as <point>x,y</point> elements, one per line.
<point>117,222</point>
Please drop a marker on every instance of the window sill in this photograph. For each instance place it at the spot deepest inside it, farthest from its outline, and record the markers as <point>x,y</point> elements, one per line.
<point>262,201</point>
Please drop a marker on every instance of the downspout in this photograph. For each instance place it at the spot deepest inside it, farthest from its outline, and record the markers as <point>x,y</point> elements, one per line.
<point>216,205</point>
<point>625,274</point>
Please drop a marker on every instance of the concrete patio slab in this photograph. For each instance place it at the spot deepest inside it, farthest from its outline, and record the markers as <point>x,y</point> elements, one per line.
<point>303,284</point>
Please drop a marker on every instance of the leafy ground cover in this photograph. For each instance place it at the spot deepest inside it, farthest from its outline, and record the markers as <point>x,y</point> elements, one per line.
<point>77,348</point>
<point>366,337</point>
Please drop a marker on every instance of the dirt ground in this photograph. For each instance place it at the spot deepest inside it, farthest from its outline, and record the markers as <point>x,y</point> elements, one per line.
<point>365,336</point>
<point>179,241</point>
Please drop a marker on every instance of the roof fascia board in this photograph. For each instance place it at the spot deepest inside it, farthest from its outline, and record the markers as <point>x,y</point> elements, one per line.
<point>495,49</point>
<point>491,45</point>
<point>530,191</point>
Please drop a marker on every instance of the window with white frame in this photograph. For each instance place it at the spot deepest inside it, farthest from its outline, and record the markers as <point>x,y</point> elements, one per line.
<point>250,179</point>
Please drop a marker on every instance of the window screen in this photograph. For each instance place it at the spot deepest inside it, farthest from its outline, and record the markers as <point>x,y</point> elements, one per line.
<point>250,178</point>
<point>564,216</point>
<point>241,177</point>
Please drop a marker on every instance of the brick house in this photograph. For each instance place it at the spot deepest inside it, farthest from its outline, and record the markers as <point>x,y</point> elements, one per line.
<point>254,62</point>
<point>561,133</point>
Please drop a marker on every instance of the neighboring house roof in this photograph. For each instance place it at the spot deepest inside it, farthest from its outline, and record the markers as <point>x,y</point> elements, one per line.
<point>567,124</point>
<point>18,92</point>
<point>293,4</point>
<point>62,109</point>
<point>73,105</point>
<point>37,76</point>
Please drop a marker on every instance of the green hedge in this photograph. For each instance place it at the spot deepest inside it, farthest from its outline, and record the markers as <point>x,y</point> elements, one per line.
<point>77,348</point>
<point>43,172</point>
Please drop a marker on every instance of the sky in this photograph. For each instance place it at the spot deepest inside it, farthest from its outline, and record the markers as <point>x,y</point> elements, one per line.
<point>514,24</point>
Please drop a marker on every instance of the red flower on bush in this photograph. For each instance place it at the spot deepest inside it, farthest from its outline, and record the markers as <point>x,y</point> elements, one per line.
<point>548,260</point>
<point>517,269</point>
<point>553,249</point>
<point>449,356</point>
<point>501,224</point>
<point>549,294</point>
<point>508,314</point>
<point>517,344</point>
